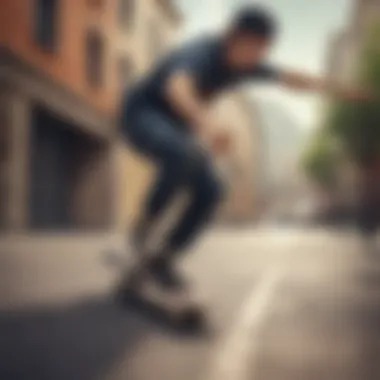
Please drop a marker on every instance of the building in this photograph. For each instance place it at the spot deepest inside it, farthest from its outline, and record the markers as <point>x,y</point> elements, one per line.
<point>364,12</point>
<point>57,99</point>
<point>341,57</point>
<point>345,45</point>
<point>62,68</point>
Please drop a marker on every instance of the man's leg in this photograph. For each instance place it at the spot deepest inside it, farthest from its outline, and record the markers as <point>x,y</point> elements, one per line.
<point>171,176</point>
<point>172,150</point>
<point>206,191</point>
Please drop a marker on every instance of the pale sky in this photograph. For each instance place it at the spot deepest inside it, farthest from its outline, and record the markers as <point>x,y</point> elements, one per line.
<point>306,26</point>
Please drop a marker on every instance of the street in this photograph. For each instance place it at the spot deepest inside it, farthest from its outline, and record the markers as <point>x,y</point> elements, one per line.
<point>284,304</point>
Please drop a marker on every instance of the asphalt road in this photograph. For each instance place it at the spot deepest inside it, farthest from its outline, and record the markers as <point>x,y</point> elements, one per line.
<point>283,303</point>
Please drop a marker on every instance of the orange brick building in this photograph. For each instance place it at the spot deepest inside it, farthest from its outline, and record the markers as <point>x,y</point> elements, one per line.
<point>56,101</point>
<point>62,53</point>
<point>62,67</point>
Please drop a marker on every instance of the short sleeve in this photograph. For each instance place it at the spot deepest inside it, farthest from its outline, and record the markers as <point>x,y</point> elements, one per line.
<point>193,59</point>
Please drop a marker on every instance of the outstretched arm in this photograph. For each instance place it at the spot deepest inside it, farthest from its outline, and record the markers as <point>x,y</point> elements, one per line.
<point>304,82</point>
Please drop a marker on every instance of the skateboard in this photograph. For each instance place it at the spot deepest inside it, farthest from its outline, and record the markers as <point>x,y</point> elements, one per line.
<point>136,289</point>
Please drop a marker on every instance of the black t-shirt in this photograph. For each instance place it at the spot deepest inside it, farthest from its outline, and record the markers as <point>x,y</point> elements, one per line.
<point>203,59</point>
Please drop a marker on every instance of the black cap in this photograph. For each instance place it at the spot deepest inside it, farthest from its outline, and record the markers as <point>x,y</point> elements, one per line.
<point>255,20</point>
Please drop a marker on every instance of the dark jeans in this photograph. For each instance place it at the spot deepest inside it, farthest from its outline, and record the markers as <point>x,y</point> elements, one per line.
<point>181,165</point>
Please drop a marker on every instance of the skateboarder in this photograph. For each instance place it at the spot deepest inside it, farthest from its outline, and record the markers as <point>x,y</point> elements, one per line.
<point>164,114</point>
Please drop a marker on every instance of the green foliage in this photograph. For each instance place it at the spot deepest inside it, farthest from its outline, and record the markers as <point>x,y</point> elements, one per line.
<point>358,125</point>
<point>351,129</point>
<point>320,159</point>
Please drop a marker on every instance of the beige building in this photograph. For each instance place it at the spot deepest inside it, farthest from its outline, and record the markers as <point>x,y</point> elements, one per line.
<point>364,12</point>
<point>341,57</point>
<point>345,45</point>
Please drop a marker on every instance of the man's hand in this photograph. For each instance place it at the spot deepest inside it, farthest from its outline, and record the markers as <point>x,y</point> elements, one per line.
<point>221,143</point>
<point>304,82</point>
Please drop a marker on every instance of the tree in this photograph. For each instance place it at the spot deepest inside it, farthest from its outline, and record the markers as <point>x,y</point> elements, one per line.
<point>320,160</point>
<point>358,125</point>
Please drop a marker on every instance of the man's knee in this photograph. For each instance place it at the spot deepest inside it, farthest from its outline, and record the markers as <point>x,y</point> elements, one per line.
<point>184,161</point>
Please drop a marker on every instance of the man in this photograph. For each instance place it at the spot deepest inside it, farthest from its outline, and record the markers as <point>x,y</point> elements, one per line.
<point>166,112</point>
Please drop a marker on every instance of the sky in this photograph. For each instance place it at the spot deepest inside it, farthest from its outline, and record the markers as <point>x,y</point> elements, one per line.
<point>306,27</point>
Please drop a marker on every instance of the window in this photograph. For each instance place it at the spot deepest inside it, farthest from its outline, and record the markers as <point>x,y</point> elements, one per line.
<point>94,58</point>
<point>126,11</point>
<point>96,4</point>
<point>126,71</point>
<point>45,23</point>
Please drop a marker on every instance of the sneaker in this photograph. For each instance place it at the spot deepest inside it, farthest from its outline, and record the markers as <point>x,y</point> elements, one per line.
<point>140,233</point>
<point>164,273</point>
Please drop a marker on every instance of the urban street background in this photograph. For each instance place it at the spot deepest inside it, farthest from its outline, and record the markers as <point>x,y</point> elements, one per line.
<point>289,269</point>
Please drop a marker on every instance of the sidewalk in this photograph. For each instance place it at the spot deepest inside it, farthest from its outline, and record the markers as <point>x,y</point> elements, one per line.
<point>44,268</point>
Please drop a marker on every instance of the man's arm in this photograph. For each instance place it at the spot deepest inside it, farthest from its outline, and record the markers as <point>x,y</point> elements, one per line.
<point>181,92</point>
<point>299,81</point>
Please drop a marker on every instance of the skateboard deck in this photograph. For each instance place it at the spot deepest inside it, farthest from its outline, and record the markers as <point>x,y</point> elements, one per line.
<point>176,309</point>
<point>135,289</point>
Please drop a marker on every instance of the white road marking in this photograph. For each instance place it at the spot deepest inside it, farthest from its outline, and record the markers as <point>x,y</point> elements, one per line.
<point>238,348</point>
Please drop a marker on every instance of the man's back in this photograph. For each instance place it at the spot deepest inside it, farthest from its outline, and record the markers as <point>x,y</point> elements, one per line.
<point>204,60</point>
